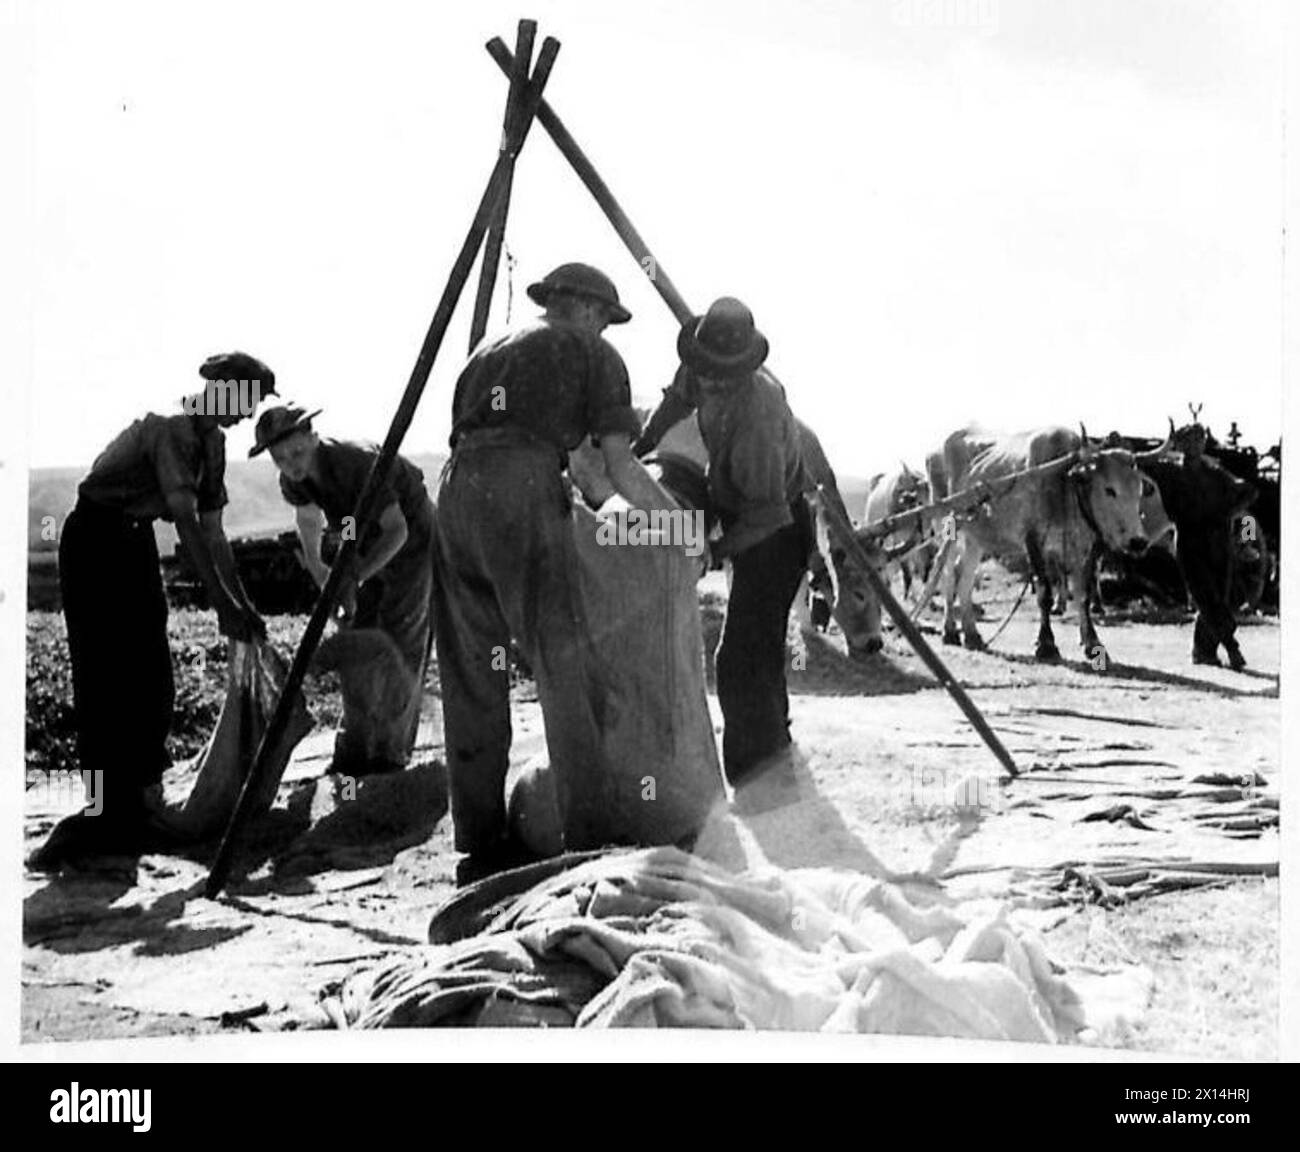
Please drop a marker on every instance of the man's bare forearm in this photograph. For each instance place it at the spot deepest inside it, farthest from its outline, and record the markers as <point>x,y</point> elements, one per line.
<point>197,545</point>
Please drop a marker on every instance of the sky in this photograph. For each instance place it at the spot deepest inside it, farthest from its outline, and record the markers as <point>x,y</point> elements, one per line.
<point>1018,212</point>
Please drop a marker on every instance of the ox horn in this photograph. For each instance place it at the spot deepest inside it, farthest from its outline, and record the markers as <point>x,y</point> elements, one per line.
<point>1085,449</point>
<point>1157,453</point>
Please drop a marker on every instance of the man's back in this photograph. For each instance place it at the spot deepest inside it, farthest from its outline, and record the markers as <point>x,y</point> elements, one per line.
<point>551,378</point>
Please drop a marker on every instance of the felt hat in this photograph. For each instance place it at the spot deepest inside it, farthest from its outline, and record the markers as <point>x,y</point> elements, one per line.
<point>723,342</point>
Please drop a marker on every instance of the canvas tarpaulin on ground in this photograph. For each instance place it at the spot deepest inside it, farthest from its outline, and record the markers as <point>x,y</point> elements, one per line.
<point>660,938</point>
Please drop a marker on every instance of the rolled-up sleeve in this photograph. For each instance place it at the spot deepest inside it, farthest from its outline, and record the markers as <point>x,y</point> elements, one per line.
<point>609,395</point>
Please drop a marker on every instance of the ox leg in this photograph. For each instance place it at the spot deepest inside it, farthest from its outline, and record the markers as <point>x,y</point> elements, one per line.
<point>948,583</point>
<point>1046,648</point>
<point>1058,578</point>
<point>971,555</point>
<point>1093,648</point>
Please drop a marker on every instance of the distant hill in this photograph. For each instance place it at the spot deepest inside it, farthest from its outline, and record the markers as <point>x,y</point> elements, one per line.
<point>256,507</point>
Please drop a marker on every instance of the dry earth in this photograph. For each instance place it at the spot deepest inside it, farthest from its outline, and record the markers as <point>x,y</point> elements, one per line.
<point>327,882</point>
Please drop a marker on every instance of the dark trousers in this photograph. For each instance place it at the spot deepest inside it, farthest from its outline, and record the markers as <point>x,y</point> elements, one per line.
<point>116,614</point>
<point>505,568</point>
<point>751,656</point>
<point>1206,559</point>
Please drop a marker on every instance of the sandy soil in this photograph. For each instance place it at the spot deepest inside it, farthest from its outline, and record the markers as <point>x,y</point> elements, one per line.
<point>327,882</point>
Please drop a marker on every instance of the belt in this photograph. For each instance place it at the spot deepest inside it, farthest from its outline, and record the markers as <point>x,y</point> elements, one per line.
<point>510,436</point>
<point>107,514</point>
<point>507,436</point>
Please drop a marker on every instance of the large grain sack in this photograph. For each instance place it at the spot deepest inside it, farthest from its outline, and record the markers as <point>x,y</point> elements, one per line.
<point>656,774</point>
<point>381,698</point>
<point>255,675</point>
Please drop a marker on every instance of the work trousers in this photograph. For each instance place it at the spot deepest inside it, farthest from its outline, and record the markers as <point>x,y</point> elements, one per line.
<point>1205,557</point>
<point>751,656</point>
<point>505,568</point>
<point>116,614</point>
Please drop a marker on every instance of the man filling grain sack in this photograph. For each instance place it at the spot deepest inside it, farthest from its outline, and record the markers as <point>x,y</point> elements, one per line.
<point>755,483</point>
<point>161,467</point>
<point>382,652</point>
<point>505,552</point>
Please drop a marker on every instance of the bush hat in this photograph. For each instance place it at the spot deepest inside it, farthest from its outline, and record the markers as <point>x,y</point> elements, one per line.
<point>276,424</point>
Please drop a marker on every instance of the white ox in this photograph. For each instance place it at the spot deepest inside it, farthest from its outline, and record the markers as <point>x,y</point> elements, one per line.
<point>1055,517</point>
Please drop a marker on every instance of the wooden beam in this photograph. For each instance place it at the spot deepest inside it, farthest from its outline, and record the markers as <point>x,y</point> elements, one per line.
<point>497,227</point>
<point>844,530</point>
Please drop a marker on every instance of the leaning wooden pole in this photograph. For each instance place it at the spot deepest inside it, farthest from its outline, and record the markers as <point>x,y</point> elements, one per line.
<point>487,279</point>
<point>677,304</point>
<point>897,613</point>
<point>367,502</point>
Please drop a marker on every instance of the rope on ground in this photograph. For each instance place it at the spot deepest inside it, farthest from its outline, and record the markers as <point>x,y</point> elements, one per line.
<point>1007,618</point>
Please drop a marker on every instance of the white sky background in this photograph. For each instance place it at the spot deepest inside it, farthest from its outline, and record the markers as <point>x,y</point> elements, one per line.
<point>1072,212</point>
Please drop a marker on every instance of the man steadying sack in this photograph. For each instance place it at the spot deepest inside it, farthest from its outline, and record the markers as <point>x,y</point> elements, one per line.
<point>755,483</point>
<point>392,584</point>
<point>161,467</point>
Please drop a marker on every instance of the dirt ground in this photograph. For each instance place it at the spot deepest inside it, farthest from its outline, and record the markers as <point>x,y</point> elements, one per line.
<point>329,881</point>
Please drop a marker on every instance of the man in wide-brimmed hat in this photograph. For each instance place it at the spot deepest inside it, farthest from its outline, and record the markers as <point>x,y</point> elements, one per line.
<point>755,484</point>
<point>522,403</point>
<point>161,467</point>
<point>390,588</point>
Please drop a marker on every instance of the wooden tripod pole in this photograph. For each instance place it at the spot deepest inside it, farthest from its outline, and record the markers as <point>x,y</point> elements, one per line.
<point>497,228</point>
<point>368,500</point>
<point>897,613</point>
<point>677,304</point>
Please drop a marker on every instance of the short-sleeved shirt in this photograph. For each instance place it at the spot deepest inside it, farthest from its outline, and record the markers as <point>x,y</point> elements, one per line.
<point>342,467</point>
<point>154,458</point>
<point>755,466</point>
<point>552,379</point>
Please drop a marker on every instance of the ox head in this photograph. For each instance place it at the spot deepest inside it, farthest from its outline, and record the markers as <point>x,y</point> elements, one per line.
<point>835,574</point>
<point>1109,488</point>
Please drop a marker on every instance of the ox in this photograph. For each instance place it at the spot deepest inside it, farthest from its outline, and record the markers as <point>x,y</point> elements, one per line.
<point>856,610</point>
<point>890,493</point>
<point>1056,516</point>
